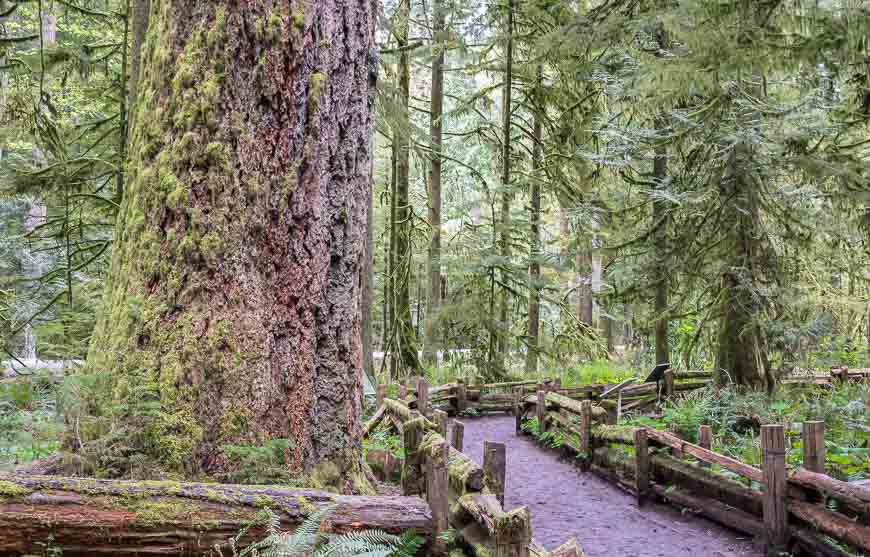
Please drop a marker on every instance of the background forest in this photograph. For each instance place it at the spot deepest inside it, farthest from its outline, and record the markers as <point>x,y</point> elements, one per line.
<point>556,183</point>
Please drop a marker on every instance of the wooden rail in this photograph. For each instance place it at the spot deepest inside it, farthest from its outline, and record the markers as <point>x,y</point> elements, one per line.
<point>789,512</point>
<point>462,495</point>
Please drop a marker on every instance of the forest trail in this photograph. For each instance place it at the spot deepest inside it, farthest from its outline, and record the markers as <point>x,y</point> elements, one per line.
<point>566,502</point>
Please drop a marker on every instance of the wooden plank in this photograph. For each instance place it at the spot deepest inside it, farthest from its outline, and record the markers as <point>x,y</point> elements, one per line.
<point>774,496</point>
<point>461,396</point>
<point>457,435</point>
<point>423,396</point>
<point>437,490</point>
<point>541,411</point>
<point>440,417</point>
<point>813,441</point>
<point>617,388</point>
<point>641,464</point>
<point>380,393</point>
<point>494,468</point>
<point>712,509</point>
<point>586,433</point>
<point>412,436</point>
<point>705,439</point>
<point>374,421</point>
<point>671,440</point>
<point>669,383</point>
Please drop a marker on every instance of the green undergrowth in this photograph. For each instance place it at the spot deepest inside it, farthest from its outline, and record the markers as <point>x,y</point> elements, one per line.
<point>736,420</point>
<point>30,426</point>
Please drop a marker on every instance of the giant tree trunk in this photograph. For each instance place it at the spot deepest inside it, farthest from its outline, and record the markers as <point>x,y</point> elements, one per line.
<point>404,335</point>
<point>437,106</point>
<point>232,311</point>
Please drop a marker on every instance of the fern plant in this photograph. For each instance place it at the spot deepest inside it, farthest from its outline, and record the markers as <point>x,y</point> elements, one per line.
<point>309,540</point>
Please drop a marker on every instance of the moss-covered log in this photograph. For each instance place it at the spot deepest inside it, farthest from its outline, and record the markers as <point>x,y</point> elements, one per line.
<point>87,516</point>
<point>231,316</point>
<point>465,475</point>
<point>613,434</point>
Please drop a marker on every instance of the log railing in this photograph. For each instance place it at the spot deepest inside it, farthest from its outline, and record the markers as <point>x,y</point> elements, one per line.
<point>462,494</point>
<point>789,512</point>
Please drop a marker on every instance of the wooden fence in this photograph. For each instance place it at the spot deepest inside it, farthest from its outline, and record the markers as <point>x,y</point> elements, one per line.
<point>463,495</point>
<point>459,397</point>
<point>800,513</point>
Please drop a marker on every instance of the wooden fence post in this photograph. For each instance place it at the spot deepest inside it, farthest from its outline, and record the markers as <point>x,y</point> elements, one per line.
<point>641,461</point>
<point>494,468</point>
<point>814,446</point>
<point>457,435</point>
<point>518,409</point>
<point>774,475</point>
<point>403,391</point>
<point>705,439</point>
<point>423,396</point>
<point>586,433</point>
<point>380,394</point>
<point>542,411</point>
<point>669,383</point>
<point>437,488</point>
<point>412,434</point>
<point>441,422</point>
<point>461,397</point>
<point>557,383</point>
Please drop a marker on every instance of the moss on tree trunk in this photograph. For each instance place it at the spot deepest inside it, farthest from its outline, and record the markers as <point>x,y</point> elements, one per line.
<point>232,314</point>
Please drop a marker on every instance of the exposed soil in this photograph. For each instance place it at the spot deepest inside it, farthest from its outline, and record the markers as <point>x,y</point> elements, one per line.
<point>566,502</point>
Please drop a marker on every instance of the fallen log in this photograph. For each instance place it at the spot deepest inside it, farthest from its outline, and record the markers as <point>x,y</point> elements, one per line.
<point>113,517</point>
<point>832,524</point>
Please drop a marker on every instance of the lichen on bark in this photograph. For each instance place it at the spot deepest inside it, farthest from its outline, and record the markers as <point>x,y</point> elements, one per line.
<point>231,312</point>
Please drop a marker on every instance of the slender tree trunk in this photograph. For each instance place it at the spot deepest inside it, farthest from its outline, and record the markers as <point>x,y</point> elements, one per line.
<point>437,106</point>
<point>585,301</point>
<point>533,332</point>
<point>232,315</point>
<point>742,351</point>
<point>367,301</point>
<point>506,196</point>
<point>406,339</point>
<point>392,338</point>
<point>661,278</point>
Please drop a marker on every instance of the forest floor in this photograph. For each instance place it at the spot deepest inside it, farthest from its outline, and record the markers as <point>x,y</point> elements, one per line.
<point>565,502</point>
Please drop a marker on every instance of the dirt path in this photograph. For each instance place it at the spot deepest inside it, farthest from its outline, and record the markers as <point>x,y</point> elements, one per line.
<point>565,502</point>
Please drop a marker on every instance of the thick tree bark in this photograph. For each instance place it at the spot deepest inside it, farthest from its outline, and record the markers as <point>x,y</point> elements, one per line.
<point>405,338</point>
<point>86,517</point>
<point>232,311</point>
<point>367,301</point>
<point>534,318</point>
<point>437,109</point>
